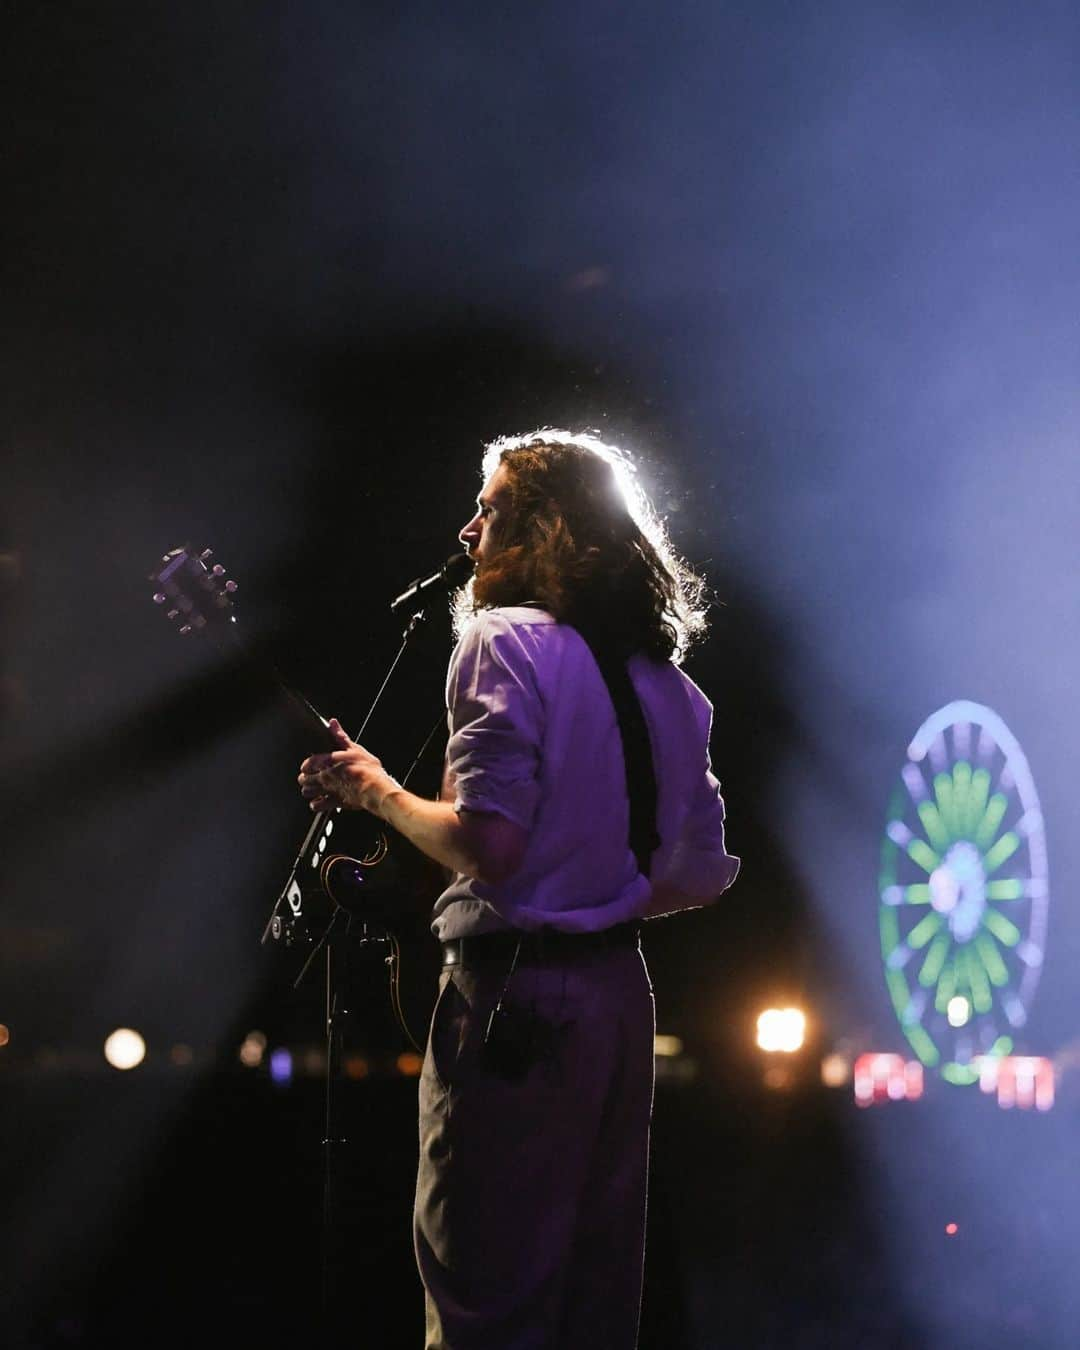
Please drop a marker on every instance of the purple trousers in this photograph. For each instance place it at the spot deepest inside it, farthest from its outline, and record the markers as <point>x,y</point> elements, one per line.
<point>530,1199</point>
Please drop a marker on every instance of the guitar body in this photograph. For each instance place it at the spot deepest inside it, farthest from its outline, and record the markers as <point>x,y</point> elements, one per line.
<point>326,883</point>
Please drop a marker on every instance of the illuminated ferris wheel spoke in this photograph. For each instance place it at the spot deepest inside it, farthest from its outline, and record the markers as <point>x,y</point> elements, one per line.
<point>1014,1010</point>
<point>936,830</point>
<point>899,833</point>
<point>1002,928</point>
<point>964,835</point>
<point>934,960</point>
<point>924,930</point>
<point>914,782</point>
<point>987,746</point>
<point>920,852</point>
<point>943,793</point>
<point>963,970</point>
<point>991,959</point>
<point>912,1014</point>
<point>987,828</point>
<point>977,979</point>
<point>946,987</point>
<point>900,955</point>
<point>979,791</point>
<point>961,792</point>
<point>1001,852</point>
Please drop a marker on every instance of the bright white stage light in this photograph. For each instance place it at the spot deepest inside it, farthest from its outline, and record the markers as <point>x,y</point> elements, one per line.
<point>781,1029</point>
<point>125,1049</point>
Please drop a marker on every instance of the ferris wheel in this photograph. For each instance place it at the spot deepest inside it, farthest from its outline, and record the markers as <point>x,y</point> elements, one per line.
<point>963,891</point>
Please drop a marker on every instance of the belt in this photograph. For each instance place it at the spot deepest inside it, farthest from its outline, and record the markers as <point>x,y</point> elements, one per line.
<point>537,948</point>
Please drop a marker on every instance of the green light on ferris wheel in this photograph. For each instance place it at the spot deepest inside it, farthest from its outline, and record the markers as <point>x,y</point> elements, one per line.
<point>978,982</point>
<point>991,821</point>
<point>962,1075</point>
<point>1002,928</point>
<point>936,830</point>
<point>943,793</point>
<point>1002,851</point>
<point>920,851</point>
<point>924,930</point>
<point>977,795</point>
<point>961,789</point>
<point>931,967</point>
<point>991,959</point>
<point>946,987</point>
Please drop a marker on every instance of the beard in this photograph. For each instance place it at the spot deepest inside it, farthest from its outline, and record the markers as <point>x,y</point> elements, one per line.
<point>484,581</point>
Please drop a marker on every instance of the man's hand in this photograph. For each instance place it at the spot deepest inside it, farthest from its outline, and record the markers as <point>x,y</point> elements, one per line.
<point>480,844</point>
<point>348,776</point>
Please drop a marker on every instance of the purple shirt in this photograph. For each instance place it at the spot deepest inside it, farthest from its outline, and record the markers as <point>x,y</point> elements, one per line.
<point>534,737</point>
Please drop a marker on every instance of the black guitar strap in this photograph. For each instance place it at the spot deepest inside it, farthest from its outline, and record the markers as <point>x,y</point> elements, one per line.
<point>637,755</point>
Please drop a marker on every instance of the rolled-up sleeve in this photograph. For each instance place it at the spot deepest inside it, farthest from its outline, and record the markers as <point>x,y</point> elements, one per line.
<point>700,865</point>
<point>696,869</point>
<point>496,722</point>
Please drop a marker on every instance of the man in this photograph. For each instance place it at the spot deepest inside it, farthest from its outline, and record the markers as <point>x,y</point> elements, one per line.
<point>566,817</point>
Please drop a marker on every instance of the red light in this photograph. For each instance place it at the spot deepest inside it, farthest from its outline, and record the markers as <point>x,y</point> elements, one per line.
<point>885,1078</point>
<point>1020,1080</point>
<point>952,1229</point>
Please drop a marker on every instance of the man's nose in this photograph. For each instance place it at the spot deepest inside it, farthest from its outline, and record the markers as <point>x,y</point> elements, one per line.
<point>470,533</point>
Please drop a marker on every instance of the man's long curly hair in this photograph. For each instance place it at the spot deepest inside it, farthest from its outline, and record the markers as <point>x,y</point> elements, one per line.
<point>582,541</point>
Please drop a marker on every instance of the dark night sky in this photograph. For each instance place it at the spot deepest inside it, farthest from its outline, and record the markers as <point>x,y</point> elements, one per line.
<point>273,274</point>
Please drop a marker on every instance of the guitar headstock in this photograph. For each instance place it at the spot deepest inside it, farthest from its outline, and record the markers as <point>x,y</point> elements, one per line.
<point>192,589</point>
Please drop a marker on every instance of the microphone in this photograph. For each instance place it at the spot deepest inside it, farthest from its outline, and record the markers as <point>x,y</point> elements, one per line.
<point>454,572</point>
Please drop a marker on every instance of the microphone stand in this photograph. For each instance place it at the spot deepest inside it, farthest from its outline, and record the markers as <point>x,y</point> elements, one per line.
<point>200,599</point>
<point>285,924</point>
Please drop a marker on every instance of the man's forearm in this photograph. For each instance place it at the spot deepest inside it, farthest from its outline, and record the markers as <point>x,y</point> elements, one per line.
<point>483,846</point>
<point>434,827</point>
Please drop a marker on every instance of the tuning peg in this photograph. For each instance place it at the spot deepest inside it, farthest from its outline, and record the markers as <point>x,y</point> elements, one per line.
<point>217,570</point>
<point>159,598</point>
<point>230,586</point>
<point>206,555</point>
<point>173,613</point>
<point>185,630</point>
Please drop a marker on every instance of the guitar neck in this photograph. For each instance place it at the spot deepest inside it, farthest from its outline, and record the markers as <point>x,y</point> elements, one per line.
<point>198,599</point>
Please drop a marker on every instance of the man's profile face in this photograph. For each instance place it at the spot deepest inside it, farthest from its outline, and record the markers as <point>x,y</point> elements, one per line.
<point>481,535</point>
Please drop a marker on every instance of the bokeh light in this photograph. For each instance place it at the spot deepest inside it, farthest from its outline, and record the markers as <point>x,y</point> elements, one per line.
<point>124,1048</point>
<point>781,1030</point>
